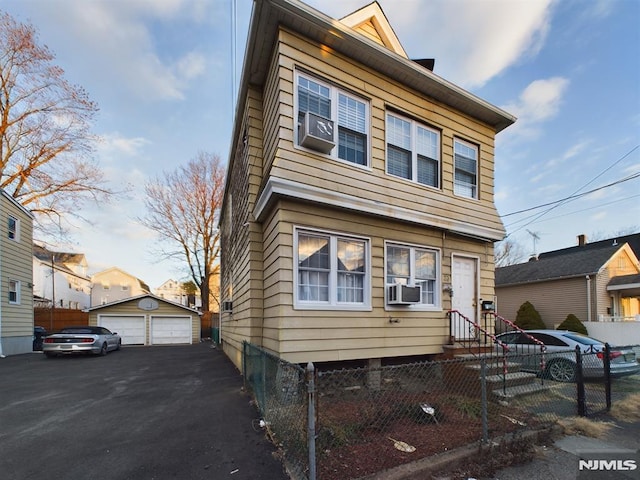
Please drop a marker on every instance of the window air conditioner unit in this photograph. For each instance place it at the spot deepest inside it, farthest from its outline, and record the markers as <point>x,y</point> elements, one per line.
<point>403,294</point>
<point>316,133</point>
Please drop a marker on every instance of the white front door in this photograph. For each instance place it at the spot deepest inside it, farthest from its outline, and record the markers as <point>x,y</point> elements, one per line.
<point>464,282</point>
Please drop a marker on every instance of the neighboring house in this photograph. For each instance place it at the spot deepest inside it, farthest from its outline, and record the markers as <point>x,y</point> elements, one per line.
<point>114,284</point>
<point>61,278</point>
<point>595,282</point>
<point>174,291</point>
<point>148,320</point>
<point>16,273</point>
<point>359,193</point>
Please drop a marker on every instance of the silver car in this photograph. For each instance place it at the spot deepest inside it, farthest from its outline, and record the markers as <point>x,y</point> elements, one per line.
<point>85,339</point>
<point>560,354</point>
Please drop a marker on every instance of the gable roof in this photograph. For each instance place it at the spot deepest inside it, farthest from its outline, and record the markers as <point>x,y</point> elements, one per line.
<point>372,22</point>
<point>571,264</point>
<point>61,260</point>
<point>139,297</point>
<point>15,202</point>
<point>268,15</point>
<point>633,240</point>
<point>141,283</point>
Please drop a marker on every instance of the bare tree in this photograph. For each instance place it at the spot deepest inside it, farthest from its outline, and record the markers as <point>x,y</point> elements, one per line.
<point>183,208</point>
<point>508,252</point>
<point>45,142</point>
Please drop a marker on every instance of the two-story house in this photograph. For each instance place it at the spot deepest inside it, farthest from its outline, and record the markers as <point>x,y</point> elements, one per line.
<point>174,291</point>
<point>16,277</point>
<point>61,278</point>
<point>114,284</point>
<point>359,199</point>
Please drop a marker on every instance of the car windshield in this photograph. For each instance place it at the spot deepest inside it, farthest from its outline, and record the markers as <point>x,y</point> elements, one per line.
<point>78,330</point>
<point>582,339</point>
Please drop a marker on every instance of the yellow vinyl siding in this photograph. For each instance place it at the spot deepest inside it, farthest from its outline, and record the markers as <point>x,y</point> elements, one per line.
<point>369,30</point>
<point>374,184</point>
<point>16,263</point>
<point>316,335</point>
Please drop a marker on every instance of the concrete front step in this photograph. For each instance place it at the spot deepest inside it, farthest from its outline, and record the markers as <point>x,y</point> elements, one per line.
<point>511,379</point>
<point>494,366</point>
<point>518,391</point>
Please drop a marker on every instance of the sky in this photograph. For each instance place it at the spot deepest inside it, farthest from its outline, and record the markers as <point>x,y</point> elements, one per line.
<point>165,74</point>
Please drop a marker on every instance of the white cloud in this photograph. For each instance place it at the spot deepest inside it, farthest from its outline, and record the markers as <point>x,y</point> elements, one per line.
<point>539,102</point>
<point>472,42</point>
<point>116,47</point>
<point>116,145</point>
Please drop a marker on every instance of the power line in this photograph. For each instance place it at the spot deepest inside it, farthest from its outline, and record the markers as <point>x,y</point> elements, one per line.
<point>586,209</point>
<point>562,202</point>
<point>573,197</point>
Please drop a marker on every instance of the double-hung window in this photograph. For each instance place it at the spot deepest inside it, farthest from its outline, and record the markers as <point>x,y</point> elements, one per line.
<point>415,266</point>
<point>349,113</point>
<point>13,226</point>
<point>465,169</point>
<point>332,270</point>
<point>14,292</point>
<point>413,151</point>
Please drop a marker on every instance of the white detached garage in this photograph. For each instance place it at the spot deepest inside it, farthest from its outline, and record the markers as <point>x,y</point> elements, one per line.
<point>148,320</point>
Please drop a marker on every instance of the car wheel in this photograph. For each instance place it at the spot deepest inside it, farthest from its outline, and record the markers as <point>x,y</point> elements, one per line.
<point>562,371</point>
<point>104,349</point>
<point>119,345</point>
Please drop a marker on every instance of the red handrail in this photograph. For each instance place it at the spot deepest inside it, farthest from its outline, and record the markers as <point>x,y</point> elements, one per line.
<point>496,340</point>
<point>538,342</point>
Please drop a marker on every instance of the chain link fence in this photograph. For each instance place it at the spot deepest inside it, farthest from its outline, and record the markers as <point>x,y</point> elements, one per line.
<point>366,420</point>
<point>280,393</point>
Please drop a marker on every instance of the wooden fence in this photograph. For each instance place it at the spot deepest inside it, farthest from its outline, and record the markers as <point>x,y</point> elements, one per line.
<point>53,319</point>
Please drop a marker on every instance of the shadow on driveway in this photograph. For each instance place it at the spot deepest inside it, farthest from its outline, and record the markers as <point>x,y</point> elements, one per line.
<point>170,412</point>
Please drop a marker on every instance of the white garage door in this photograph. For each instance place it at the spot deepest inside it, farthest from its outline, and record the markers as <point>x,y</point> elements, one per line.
<point>169,330</point>
<point>130,328</point>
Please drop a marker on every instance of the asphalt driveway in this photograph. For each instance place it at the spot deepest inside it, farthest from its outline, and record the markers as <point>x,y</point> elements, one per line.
<point>171,412</point>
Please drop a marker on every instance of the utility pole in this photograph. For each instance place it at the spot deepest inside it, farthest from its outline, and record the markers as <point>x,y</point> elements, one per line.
<point>53,289</point>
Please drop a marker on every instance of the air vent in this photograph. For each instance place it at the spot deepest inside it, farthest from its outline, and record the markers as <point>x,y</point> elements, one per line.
<point>227,306</point>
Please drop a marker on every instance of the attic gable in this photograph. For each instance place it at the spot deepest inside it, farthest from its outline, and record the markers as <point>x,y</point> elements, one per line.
<point>371,22</point>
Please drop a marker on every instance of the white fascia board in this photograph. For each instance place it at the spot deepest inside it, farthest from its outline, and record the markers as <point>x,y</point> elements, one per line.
<point>276,187</point>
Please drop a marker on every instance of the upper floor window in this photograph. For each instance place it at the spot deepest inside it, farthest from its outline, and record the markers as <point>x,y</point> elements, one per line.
<point>413,151</point>
<point>331,270</point>
<point>13,225</point>
<point>348,113</point>
<point>465,169</point>
<point>414,266</point>
<point>14,292</point>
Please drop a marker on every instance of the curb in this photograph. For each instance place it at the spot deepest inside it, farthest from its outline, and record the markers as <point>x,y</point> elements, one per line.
<point>423,468</point>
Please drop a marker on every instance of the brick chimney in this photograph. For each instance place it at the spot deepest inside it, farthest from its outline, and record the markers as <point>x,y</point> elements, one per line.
<point>582,240</point>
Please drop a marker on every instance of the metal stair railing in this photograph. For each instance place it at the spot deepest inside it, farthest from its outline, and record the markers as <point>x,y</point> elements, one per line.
<point>513,327</point>
<point>459,322</point>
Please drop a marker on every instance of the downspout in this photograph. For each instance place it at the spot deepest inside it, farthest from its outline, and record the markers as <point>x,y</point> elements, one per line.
<point>588,298</point>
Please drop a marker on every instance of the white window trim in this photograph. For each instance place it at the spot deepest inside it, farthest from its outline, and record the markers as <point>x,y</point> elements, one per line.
<point>477,185</point>
<point>16,237</point>
<point>334,91</point>
<point>332,304</point>
<point>17,292</point>
<point>414,152</point>
<point>437,306</point>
